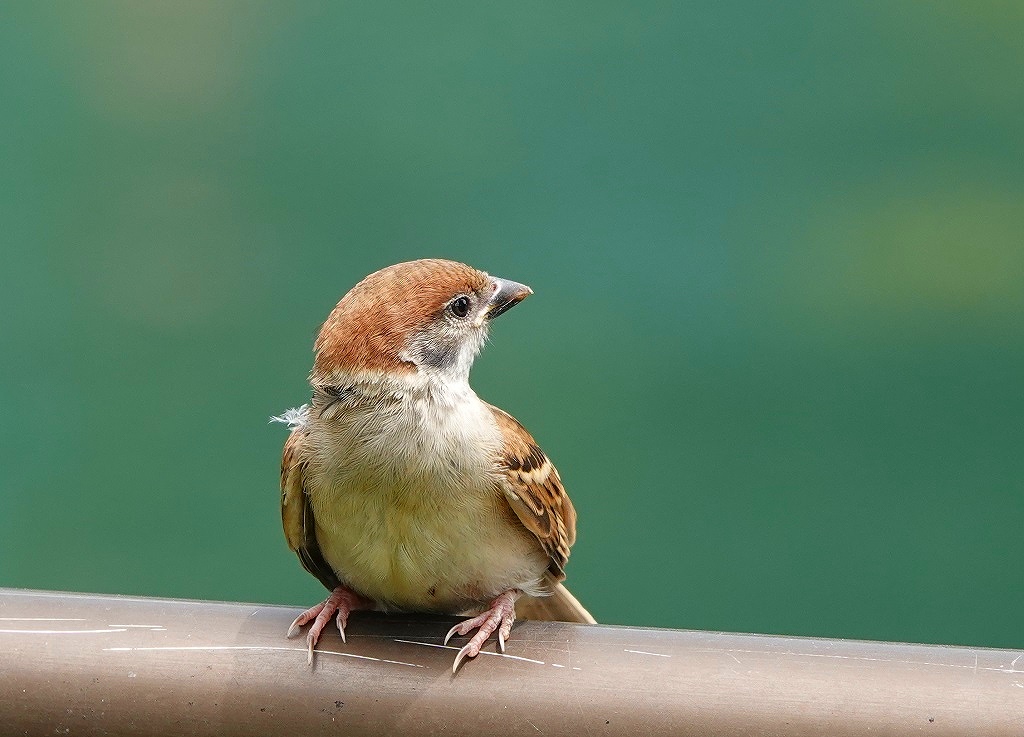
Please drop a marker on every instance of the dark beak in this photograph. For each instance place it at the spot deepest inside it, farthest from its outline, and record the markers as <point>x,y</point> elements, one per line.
<point>507,294</point>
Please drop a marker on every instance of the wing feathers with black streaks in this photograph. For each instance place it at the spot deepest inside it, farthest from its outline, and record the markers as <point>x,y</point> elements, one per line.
<point>535,493</point>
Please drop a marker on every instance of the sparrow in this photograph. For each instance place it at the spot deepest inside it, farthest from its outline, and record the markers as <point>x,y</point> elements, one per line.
<point>401,489</point>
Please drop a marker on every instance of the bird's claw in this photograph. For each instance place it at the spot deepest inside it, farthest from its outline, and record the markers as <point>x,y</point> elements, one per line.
<point>341,601</point>
<point>456,629</point>
<point>467,649</point>
<point>499,617</point>
<point>341,620</point>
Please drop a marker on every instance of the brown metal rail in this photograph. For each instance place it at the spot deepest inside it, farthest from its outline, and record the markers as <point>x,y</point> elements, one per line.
<point>88,665</point>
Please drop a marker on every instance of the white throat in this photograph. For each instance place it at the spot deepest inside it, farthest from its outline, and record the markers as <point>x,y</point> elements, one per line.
<point>410,433</point>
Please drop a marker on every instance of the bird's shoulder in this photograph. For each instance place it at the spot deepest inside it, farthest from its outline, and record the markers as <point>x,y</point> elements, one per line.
<point>296,512</point>
<point>534,491</point>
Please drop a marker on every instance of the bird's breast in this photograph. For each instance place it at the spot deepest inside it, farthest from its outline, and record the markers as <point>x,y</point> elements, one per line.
<point>409,509</point>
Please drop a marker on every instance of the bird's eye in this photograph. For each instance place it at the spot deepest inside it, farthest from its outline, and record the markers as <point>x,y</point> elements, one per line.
<point>459,306</point>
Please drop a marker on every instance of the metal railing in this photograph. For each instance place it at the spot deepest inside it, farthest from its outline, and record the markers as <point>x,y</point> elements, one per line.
<point>81,664</point>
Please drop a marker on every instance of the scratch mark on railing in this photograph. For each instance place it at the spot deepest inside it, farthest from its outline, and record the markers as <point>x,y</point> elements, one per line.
<point>42,619</point>
<point>482,652</point>
<point>485,652</point>
<point>60,632</point>
<point>975,666</point>
<point>257,647</point>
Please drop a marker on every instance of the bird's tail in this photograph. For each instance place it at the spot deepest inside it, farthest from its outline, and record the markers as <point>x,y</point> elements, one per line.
<point>561,606</point>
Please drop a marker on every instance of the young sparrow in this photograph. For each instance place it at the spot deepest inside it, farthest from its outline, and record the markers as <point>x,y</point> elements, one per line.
<point>401,489</point>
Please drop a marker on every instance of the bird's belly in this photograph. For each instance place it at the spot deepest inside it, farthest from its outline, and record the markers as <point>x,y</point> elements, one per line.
<point>423,550</point>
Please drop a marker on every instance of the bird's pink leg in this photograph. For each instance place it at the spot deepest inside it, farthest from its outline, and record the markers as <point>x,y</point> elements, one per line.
<point>500,616</point>
<point>342,601</point>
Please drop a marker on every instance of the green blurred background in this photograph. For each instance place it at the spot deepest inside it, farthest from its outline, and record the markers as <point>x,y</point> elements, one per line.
<point>776,346</point>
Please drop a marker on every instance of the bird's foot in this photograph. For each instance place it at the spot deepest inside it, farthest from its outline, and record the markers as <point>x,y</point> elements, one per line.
<point>499,617</point>
<point>342,601</point>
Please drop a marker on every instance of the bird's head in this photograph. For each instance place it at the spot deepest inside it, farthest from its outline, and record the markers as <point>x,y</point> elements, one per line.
<point>429,316</point>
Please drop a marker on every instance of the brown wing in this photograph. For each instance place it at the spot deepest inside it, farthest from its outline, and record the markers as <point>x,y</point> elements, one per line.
<point>297,515</point>
<point>535,493</point>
